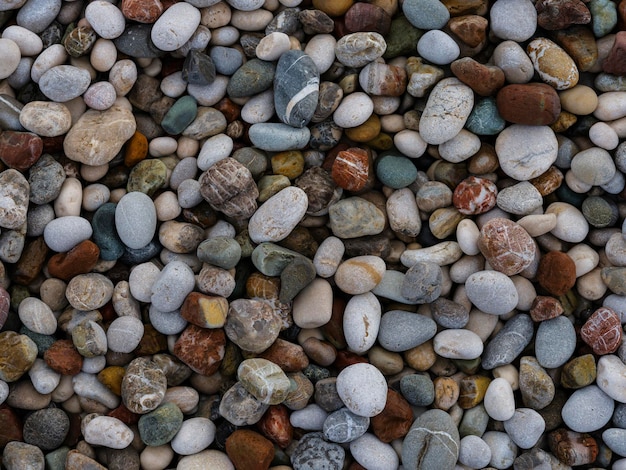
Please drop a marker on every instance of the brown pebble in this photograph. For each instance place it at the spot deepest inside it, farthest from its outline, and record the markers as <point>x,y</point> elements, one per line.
<point>351,169</point>
<point>62,357</point>
<point>580,44</point>
<point>275,425</point>
<point>249,450</point>
<point>532,104</point>
<point>320,352</point>
<point>395,420</point>
<point>470,29</point>
<point>556,272</point>
<point>573,448</point>
<point>559,14</point>
<point>485,80</point>
<point>602,331</point>
<point>615,63</point>
<point>548,182</point>
<point>544,308</point>
<point>288,356</point>
<point>31,261</point>
<point>446,393</point>
<point>506,246</point>
<point>204,311</point>
<point>20,150</point>
<point>77,461</point>
<point>10,426</point>
<point>367,17</point>
<point>201,349</point>
<point>472,390</point>
<point>79,260</point>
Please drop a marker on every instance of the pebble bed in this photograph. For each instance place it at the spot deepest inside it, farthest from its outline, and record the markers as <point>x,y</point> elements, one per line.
<point>312,234</point>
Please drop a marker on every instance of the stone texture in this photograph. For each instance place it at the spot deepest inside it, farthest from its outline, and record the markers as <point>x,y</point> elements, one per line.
<point>201,349</point>
<point>506,246</point>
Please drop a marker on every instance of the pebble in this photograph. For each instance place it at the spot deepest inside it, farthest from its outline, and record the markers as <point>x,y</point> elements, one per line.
<point>508,342</point>
<point>135,219</point>
<point>499,401</point>
<point>20,455</point>
<point>438,48</point>
<point>555,342</point>
<point>400,331</point>
<point>370,452</point>
<point>108,432</point>
<point>579,418</point>
<point>418,447</point>
<point>492,292</point>
<point>363,389</point>
<point>458,344</point>
<point>194,435</point>
<point>525,152</point>
<point>511,20</point>
<point>46,429</point>
<point>278,216</point>
<point>474,452</point>
<point>168,34</point>
<point>64,233</point>
<point>143,386</point>
<point>312,447</point>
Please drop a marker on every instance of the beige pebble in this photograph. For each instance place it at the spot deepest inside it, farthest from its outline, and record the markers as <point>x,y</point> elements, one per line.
<point>571,225</point>
<point>156,458</point>
<point>162,146</point>
<point>216,16</point>
<point>509,373</point>
<point>443,253</point>
<point>180,237</point>
<point>186,398</point>
<point>272,46</point>
<point>328,256</point>
<point>410,143</point>
<point>525,293</point>
<point>94,196</point>
<point>91,173</point>
<point>466,266</point>
<point>580,100</point>
<point>123,76</point>
<point>103,55</point>
<point>384,105</point>
<point>590,286</point>
<point>388,362</point>
<point>422,357</point>
<point>52,292</point>
<point>403,214</point>
<point>251,20</point>
<point>70,199</point>
<point>585,258</point>
<point>49,57</point>
<point>481,323</point>
<point>313,306</point>
<point>187,147</point>
<point>64,390</point>
<point>360,274</point>
<point>123,302</point>
<point>167,207</point>
<point>24,396</point>
<point>538,224</point>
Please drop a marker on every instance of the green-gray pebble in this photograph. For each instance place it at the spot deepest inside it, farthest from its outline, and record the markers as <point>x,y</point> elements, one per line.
<point>147,176</point>
<point>55,460</point>
<point>223,252</point>
<point>252,78</point>
<point>395,171</point>
<point>420,450</point>
<point>296,276</point>
<point>271,259</point>
<point>600,212</point>
<point>180,115</point>
<point>603,16</point>
<point>418,389</point>
<point>484,118</point>
<point>161,425</point>
<point>402,38</point>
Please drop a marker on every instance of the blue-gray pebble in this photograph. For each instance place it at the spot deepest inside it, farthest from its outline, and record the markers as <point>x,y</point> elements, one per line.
<point>555,342</point>
<point>422,450</point>
<point>426,14</point>
<point>509,342</point>
<point>395,171</point>
<point>418,389</point>
<point>313,453</point>
<point>296,88</point>
<point>104,233</point>
<point>484,118</point>
<point>135,42</point>
<point>400,331</point>
<point>180,115</point>
<point>278,137</point>
<point>45,179</point>
<point>226,59</point>
<point>615,439</point>
<point>223,252</point>
<point>252,78</point>
<point>161,425</point>
<point>344,426</point>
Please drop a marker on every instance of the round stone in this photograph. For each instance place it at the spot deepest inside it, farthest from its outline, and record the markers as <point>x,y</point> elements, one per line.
<point>438,47</point>
<point>10,56</point>
<point>507,247</point>
<point>499,400</point>
<point>370,452</point>
<point>264,379</point>
<point>418,389</point>
<point>360,274</point>
<point>37,316</point>
<point>175,26</point>
<point>296,88</point>
<point>400,331</point>
<point>426,14</point>
<point>474,452</point>
<point>47,428</point>
<point>555,342</point>
<point>159,427</point>
<point>420,450</point>
<point>143,386</point>
<point>108,432</point>
<point>361,321</point>
<point>64,233</point>
<point>172,286</point>
<point>63,83</point>
<point>492,292</point>
<point>252,325</point>
<point>135,219</point>
<point>458,344</point>
<point>194,435</point>
<point>509,342</point>
<point>593,166</point>
<point>124,334</point>
<point>278,216</point>
<point>363,389</point>
<point>525,427</point>
<point>525,152</point>
<point>395,171</point>
<point>513,20</point>
<point>579,416</point>
<point>344,426</point>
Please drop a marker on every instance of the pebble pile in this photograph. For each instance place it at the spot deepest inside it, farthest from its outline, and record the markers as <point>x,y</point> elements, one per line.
<point>312,234</point>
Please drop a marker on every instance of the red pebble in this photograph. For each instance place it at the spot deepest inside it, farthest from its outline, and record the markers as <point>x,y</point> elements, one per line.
<point>603,331</point>
<point>20,150</point>
<point>351,169</point>
<point>142,11</point>
<point>507,246</point>
<point>275,425</point>
<point>544,308</point>
<point>475,195</point>
<point>556,272</point>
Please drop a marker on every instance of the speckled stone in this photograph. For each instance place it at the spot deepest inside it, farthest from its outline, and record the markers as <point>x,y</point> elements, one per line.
<point>252,78</point>
<point>14,189</point>
<point>201,349</point>
<point>143,386</point>
<point>312,450</point>
<point>161,425</point>
<point>509,342</point>
<point>264,379</point>
<point>536,386</point>
<point>239,407</point>
<point>395,171</point>
<point>20,455</point>
<point>241,325</point>
<point>506,246</point>
<point>420,450</point>
<point>17,354</point>
<point>296,88</point>
<point>555,342</point>
<point>47,428</point>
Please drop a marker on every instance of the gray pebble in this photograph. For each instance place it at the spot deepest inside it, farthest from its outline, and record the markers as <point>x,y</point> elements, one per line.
<point>555,342</point>
<point>422,282</point>
<point>168,323</point>
<point>223,252</point>
<point>580,416</point>
<point>313,452</point>
<point>38,218</point>
<point>520,199</point>
<point>401,331</point>
<point>64,83</point>
<point>525,428</point>
<point>37,15</point>
<point>615,439</point>
<point>344,426</point>
<point>448,313</point>
<point>170,289</point>
<point>509,342</point>
<point>21,456</point>
<point>64,233</point>
<point>474,452</point>
<point>503,449</point>
<point>421,450</point>
<point>418,389</point>
<point>45,179</point>
<point>226,59</point>
<point>46,428</point>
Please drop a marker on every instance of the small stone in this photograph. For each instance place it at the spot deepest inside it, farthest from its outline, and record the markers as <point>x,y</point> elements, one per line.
<point>418,449</point>
<point>521,199</point>
<point>278,216</point>
<point>535,384</point>
<point>89,339</point>
<point>47,428</point>
<point>344,426</point>
<point>426,14</point>
<point>296,88</point>
<point>142,11</point>
<point>240,408</point>
<point>360,274</point>
<point>180,115</point>
<point>18,353</point>
<point>579,372</point>
<point>556,272</point>
<point>89,291</point>
<point>169,33</point>
<point>534,104</point>
<point>356,379</point>
<point>201,349</point>
<point>252,78</point>
<point>195,435</point>
<point>602,331</point>
<point>553,15</point>
<point>474,452</point>
<point>248,449</point>
<point>241,325</point>
<point>395,171</point>
<point>555,342</point>
<point>198,68</point>
<point>79,260</point>
<point>108,432</point>
<point>63,83</point>
<point>580,417</point>
<point>492,292</point>
<point>228,187</point>
<point>509,342</point>
<point>143,386</point>
<point>14,189</point>
<point>20,150</point>
<point>351,169</point>
<point>395,420</point>
<point>525,152</point>
<point>359,49</point>
<point>159,426</point>
<point>18,455</point>
<point>264,380</point>
<point>472,390</point>
<point>474,195</point>
<point>400,331</point>
<point>355,217</point>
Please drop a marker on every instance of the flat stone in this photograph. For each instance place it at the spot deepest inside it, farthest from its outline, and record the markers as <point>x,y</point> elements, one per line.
<point>555,342</point>
<point>401,331</point>
<point>580,417</point>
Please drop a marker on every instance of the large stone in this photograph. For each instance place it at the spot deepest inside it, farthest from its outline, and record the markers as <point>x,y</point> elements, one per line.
<point>98,136</point>
<point>296,88</point>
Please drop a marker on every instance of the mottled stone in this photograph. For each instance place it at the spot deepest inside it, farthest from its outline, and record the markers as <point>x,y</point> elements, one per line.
<point>420,450</point>
<point>252,325</point>
<point>14,192</point>
<point>506,246</point>
<point>17,354</point>
<point>143,386</point>
<point>509,342</point>
<point>159,427</point>
<point>296,88</point>
<point>314,452</point>
<point>248,449</point>
<point>602,331</point>
<point>535,384</point>
<point>201,349</point>
<point>228,187</point>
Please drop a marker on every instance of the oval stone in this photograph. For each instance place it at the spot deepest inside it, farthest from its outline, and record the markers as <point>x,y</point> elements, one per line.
<point>296,88</point>
<point>525,152</point>
<point>64,83</point>
<point>449,105</point>
<point>64,233</point>
<point>46,118</point>
<point>278,216</point>
<point>506,246</point>
<point>264,379</point>
<point>492,292</point>
<point>135,219</point>
<point>420,450</point>
<point>175,26</point>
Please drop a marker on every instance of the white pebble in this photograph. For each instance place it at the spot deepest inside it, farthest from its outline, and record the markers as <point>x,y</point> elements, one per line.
<point>499,400</point>
<point>195,435</point>
<point>353,110</point>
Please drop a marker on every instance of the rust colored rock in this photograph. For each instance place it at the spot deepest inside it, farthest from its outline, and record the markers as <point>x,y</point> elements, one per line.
<point>259,285</point>
<point>333,330</point>
<point>351,169</point>
<point>395,420</point>
<point>545,307</point>
<point>10,426</point>
<point>556,272</point>
<point>621,15</point>
<point>124,415</point>
<point>602,331</point>
<point>560,14</point>
<point>62,357</point>
<point>549,181</point>
<point>248,450</point>
<point>79,260</point>
<point>20,150</point>
<point>275,425</point>
<point>319,187</point>
<point>383,79</point>
<point>615,63</point>
<point>573,448</point>
<point>466,7</point>
<point>470,29</point>
<point>532,104</point>
<point>5,303</point>
<point>367,17</point>
<point>142,11</point>
<point>475,195</point>
<point>506,246</point>
<point>580,43</point>
<point>31,261</point>
<point>205,311</point>
<point>485,80</point>
<point>347,358</point>
<point>201,349</point>
<point>288,356</point>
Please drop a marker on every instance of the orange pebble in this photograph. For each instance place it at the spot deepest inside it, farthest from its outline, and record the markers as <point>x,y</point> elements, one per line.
<point>136,149</point>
